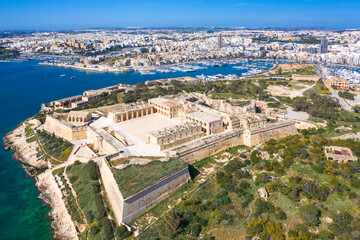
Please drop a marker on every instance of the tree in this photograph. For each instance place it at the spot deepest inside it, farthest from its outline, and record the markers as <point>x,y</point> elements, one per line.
<point>310,215</point>
<point>173,220</point>
<point>263,178</point>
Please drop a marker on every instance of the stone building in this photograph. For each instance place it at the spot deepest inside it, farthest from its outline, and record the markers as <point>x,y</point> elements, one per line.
<point>340,83</point>
<point>253,120</point>
<point>65,101</point>
<point>172,136</point>
<point>339,154</point>
<point>131,112</point>
<point>165,106</point>
<point>104,140</point>
<point>65,129</point>
<point>79,117</point>
<point>210,123</point>
<point>254,136</point>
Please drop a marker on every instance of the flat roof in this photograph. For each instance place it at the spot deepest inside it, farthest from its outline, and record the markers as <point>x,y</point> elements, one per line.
<point>163,101</point>
<point>204,116</point>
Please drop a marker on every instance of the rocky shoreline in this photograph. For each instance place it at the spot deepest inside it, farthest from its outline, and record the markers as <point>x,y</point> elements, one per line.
<point>36,168</point>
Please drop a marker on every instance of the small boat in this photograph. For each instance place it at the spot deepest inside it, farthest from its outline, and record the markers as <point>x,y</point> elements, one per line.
<point>63,75</point>
<point>73,76</point>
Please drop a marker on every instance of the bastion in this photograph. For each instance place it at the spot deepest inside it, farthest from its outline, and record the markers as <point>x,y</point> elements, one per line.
<point>136,188</point>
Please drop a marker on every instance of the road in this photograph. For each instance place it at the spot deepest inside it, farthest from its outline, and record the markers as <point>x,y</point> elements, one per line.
<point>334,94</point>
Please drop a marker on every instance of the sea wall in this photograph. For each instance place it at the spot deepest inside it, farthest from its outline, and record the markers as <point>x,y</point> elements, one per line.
<point>139,203</point>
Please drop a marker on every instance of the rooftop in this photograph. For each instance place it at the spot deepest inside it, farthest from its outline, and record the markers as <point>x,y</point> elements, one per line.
<point>177,128</point>
<point>163,101</point>
<point>204,116</point>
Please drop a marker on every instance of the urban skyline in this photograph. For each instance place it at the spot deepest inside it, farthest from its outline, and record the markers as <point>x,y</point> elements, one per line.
<point>67,15</point>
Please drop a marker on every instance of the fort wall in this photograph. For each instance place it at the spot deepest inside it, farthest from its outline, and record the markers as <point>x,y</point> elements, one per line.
<point>126,210</point>
<point>63,130</point>
<point>112,190</point>
<point>207,146</point>
<point>139,203</point>
<point>276,130</point>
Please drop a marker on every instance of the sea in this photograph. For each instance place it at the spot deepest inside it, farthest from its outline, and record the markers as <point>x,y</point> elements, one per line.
<point>24,87</point>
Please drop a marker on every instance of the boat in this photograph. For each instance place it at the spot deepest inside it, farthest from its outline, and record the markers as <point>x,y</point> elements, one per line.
<point>73,76</point>
<point>62,75</point>
<point>146,73</point>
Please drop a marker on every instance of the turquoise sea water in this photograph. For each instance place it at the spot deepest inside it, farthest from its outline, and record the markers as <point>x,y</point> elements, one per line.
<point>24,86</point>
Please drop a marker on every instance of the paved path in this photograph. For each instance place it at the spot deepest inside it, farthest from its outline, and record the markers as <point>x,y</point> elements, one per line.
<point>291,114</point>
<point>344,105</point>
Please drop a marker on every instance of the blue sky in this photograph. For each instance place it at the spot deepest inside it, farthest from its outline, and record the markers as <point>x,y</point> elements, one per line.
<point>78,14</point>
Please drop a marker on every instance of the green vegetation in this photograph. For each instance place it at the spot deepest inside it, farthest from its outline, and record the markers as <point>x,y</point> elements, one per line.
<point>318,88</point>
<point>69,199</point>
<point>41,117</point>
<point>304,189</point>
<point>55,146</point>
<point>105,100</point>
<point>4,51</point>
<point>346,95</point>
<point>322,107</point>
<point>85,181</point>
<point>134,178</point>
<point>236,89</point>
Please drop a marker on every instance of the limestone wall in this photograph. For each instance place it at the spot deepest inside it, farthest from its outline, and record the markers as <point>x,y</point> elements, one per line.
<point>53,125</point>
<point>129,209</point>
<point>276,130</point>
<point>112,190</point>
<point>224,106</point>
<point>63,130</point>
<point>79,133</point>
<point>136,205</point>
<point>205,147</point>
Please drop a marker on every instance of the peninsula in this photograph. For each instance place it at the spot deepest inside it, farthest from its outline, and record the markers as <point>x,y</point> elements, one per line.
<point>257,157</point>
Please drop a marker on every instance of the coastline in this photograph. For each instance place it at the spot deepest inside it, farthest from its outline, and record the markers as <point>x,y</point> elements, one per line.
<point>117,70</point>
<point>49,191</point>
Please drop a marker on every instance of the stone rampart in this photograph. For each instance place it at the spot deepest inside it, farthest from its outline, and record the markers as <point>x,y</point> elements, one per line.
<point>65,130</point>
<point>126,210</point>
<point>139,203</point>
<point>207,146</point>
<point>276,130</point>
<point>112,190</point>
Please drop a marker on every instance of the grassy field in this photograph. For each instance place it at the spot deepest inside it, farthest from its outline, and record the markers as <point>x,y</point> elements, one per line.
<point>84,180</point>
<point>134,178</point>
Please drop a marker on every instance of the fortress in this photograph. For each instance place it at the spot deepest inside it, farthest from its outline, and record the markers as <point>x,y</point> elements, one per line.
<point>189,127</point>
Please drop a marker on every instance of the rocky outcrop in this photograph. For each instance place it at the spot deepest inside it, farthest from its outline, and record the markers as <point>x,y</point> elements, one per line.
<point>26,152</point>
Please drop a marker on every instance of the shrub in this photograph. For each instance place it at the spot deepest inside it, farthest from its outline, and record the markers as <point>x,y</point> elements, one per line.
<point>122,232</point>
<point>91,168</point>
<point>310,215</point>
<point>222,198</point>
<point>263,178</point>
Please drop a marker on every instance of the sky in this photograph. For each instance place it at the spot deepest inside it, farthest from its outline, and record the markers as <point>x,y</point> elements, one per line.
<point>80,14</point>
